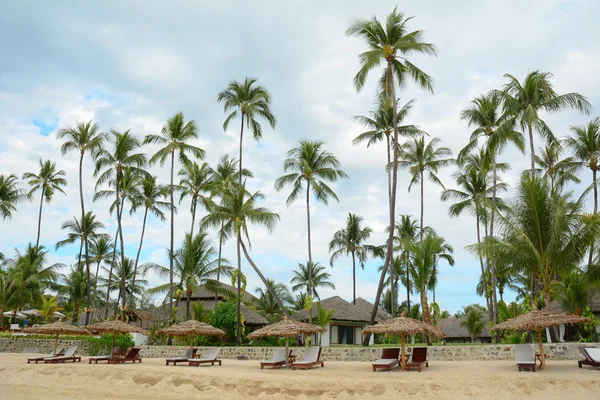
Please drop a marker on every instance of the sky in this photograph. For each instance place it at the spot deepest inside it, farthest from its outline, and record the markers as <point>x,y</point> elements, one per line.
<point>134,64</point>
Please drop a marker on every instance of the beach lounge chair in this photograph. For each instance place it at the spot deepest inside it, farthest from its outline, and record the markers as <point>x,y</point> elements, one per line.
<point>188,354</point>
<point>133,355</point>
<point>388,360</point>
<point>69,355</point>
<point>207,357</point>
<point>312,357</point>
<point>591,354</point>
<point>418,359</point>
<point>59,352</point>
<point>277,360</point>
<point>524,357</point>
<point>96,359</point>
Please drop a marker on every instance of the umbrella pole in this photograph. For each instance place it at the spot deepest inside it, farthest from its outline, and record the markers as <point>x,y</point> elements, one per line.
<point>403,352</point>
<point>542,355</point>
<point>112,349</point>
<point>55,345</point>
<point>191,344</point>
<point>287,352</point>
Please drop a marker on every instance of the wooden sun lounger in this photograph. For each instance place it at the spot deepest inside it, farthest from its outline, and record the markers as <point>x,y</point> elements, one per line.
<point>418,359</point>
<point>133,355</point>
<point>388,360</point>
<point>208,357</point>
<point>97,359</point>
<point>188,354</point>
<point>68,356</point>
<point>592,356</point>
<point>278,359</point>
<point>59,352</point>
<point>524,357</point>
<point>312,357</point>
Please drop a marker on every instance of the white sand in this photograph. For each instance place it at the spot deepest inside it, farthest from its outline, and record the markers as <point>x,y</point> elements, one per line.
<point>338,380</point>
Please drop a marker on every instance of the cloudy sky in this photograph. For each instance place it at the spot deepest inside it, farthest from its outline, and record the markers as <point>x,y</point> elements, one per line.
<point>133,64</point>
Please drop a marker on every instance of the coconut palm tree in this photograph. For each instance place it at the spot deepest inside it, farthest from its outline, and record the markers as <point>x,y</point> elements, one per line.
<point>196,182</point>
<point>473,323</point>
<point>318,277</point>
<point>250,102</point>
<point>585,145</point>
<point>84,137</point>
<point>48,180</point>
<point>349,241</point>
<point>120,274</point>
<point>445,253</point>
<point>311,164</point>
<point>559,171</point>
<point>390,44</point>
<point>406,232</point>
<point>101,249</point>
<point>419,157</point>
<point>175,137</point>
<point>235,212</point>
<point>10,195</point>
<point>323,318</point>
<point>267,305</point>
<point>76,232</point>
<point>524,101</point>
<point>73,290</point>
<point>397,272</point>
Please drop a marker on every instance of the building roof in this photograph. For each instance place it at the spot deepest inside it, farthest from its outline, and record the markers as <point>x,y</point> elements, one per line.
<point>343,310</point>
<point>382,315</point>
<point>203,293</point>
<point>594,300</point>
<point>452,328</point>
<point>251,317</point>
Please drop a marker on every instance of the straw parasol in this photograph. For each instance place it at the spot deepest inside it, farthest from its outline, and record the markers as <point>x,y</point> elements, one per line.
<point>537,320</point>
<point>286,329</point>
<point>404,326</point>
<point>115,327</point>
<point>191,328</point>
<point>57,328</point>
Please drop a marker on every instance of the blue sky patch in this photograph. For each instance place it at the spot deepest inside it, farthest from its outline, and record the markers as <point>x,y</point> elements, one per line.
<point>46,126</point>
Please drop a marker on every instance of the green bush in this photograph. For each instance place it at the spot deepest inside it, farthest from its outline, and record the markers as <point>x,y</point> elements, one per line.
<point>224,316</point>
<point>103,344</point>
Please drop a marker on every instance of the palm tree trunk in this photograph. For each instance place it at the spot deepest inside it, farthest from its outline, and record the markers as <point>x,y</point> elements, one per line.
<point>422,208</point>
<point>392,204</point>
<point>137,257</point>
<point>187,305</point>
<point>532,150</point>
<point>96,276</point>
<point>353,279</point>
<point>407,285</point>
<point>37,241</point>
<point>483,277</point>
<point>194,204</point>
<point>264,280</point>
<point>239,293</point>
<point>172,238</point>
<point>119,227</point>
<point>389,183</point>
<point>492,263</point>
<point>84,237</point>
<point>309,286</point>
<point>425,307</point>
<point>590,258</point>
<point>114,259</point>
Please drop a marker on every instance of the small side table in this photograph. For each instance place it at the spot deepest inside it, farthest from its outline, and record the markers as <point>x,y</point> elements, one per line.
<point>538,357</point>
<point>292,359</point>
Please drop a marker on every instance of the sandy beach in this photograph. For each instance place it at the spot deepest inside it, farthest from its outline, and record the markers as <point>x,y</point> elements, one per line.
<point>338,380</point>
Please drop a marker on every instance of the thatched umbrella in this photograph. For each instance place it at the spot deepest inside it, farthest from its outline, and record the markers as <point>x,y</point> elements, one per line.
<point>115,327</point>
<point>537,320</point>
<point>57,328</point>
<point>286,329</point>
<point>191,328</point>
<point>403,326</point>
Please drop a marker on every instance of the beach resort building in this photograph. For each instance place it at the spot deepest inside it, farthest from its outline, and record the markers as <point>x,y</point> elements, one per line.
<point>455,333</point>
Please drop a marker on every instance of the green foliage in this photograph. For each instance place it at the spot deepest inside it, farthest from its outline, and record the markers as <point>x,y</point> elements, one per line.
<point>514,338</point>
<point>225,317</point>
<point>589,330</point>
<point>102,345</point>
<point>473,323</point>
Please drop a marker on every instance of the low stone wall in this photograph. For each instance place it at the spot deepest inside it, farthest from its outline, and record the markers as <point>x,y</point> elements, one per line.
<point>558,351</point>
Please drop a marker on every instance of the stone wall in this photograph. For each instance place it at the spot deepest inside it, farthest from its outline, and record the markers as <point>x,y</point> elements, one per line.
<point>558,351</point>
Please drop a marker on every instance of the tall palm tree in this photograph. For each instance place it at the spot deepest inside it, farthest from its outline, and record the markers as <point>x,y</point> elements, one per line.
<point>419,157</point>
<point>175,137</point>
<point>48,180</point>
<point>73,290</point>
<point>350,241</point>
<point>84,137</point>
<point>318,277</point>
<point>314,166</point>
<point>267,305</point>
<point>250,102</point>
<point>77,233</point>
<point>149,197</point>
<point>101,249</point>
<point>406,231</point>
<point>524,101</point>
<point>444,253</point>
<point>559,171</point>
<point>10,195</point>
<point>390,45</point>
<point>120,274</point>
<point>196,183</point>
<point>585,145</point>
<point>235,212</point>
<point>111,164</point>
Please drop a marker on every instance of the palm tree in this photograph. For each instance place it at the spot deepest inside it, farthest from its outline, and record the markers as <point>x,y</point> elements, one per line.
<point>73,290</point>
<point>149,197</point>
<point>585,145</point>
<point>267,305</point>
<point>406,232</point>
<point>310,163</point>
<point>419,157</point>
<point>235,212</point>
<point>310,277</point>
<point>390,45</point>
<point>560,172</point>
<point>350,241</point>
<point>83,138</point>
<point>101,249</point>
<point>250,101</point>
<point>120,274</point>
<point>524,101</point>
<point>175,136</point>
<point>445,253</point>
<point>323,318</point>
<point>49,305</point>
<point>473,323</point>
<point>195,265</point>
<point>195,182</point>
<point>76,232</point>
<point>10,195</point>
<point>48,180</point>
<point>397,272</point>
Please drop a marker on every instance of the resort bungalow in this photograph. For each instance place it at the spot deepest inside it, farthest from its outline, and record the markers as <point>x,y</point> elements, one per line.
<point>455,333</point>
<point>347,322</point>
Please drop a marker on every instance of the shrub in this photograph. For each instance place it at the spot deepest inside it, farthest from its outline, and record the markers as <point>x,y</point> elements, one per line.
<point>225,317</point>
<point>103,344</point>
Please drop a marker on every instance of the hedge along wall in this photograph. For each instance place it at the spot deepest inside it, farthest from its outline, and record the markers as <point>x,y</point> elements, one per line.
<point>555,351</point>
